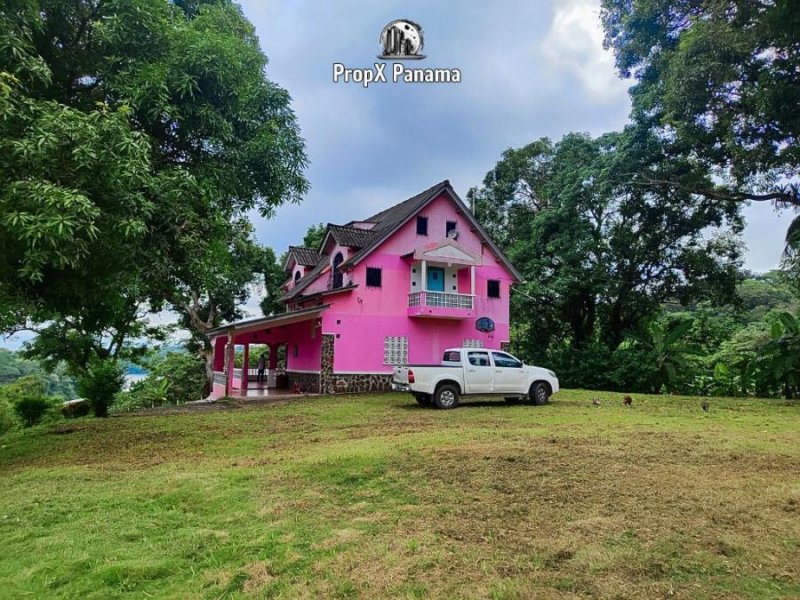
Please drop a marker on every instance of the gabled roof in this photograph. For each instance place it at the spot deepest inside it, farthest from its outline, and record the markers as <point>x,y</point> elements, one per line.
<point>393,218</point>
<point>349,236</point>
<point>306,257</point>
<point>387,222</point>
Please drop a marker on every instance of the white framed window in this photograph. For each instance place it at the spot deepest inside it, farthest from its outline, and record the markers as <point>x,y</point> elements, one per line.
<point>473,344</point>
<point>395,350</point>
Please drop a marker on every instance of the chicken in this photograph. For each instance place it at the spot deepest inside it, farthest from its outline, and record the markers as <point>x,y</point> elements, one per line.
<point>705,405</point>
<point>595,402</point>
<point>627,401</point>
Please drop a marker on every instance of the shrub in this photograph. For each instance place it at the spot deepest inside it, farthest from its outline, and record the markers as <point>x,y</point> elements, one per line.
<point>100,383</point>
<point>185,375</point>
<point>146,393</point>
<point>31,409</point>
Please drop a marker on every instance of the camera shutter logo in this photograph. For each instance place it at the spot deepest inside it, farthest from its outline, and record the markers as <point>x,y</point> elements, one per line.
<point>402,40</point>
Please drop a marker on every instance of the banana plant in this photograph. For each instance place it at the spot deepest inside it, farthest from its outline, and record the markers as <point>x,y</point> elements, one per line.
<point>669,353</point>
<point>780,357</point>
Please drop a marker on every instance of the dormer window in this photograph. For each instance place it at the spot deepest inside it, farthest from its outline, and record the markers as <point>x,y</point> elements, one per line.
<point>450,229</point>
<point>297,276</point>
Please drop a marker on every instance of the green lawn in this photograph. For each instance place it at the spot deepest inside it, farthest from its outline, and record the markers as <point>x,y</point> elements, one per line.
<point>372,496</point>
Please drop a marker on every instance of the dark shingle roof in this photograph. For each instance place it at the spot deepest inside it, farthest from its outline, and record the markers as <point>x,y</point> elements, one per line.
<point>306,257</point>
<point>350,236</point>
<point>387,221</point>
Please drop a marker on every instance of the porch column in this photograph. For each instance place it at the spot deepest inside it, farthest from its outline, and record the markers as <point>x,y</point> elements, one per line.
<point>245,366</point>
<point>273,357</point>
<point>231,353</point>
<point>424,285</point>
<point>472,278</point>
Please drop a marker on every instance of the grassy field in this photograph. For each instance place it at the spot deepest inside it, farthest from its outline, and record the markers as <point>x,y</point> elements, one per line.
<point>374,497</point>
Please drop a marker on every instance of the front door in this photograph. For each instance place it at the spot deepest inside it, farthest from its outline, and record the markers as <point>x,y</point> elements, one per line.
<point>435,279</point>
<point>478,373</point>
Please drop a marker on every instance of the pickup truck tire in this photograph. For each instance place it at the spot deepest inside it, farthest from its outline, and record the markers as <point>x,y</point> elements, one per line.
<point>446,396</point>
<point>423,399</point>
<point>539,393</point>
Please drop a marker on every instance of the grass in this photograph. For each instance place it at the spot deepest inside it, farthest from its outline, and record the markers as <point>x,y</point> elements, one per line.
<point>374,497</point>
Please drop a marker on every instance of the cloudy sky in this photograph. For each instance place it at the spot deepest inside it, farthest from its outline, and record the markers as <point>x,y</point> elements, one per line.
<point>530,68</point>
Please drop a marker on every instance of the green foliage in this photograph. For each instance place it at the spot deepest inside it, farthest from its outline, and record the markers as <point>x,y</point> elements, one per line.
<point>175,378</point>
<point>600,252</point>
<point>8,418</point>
<point>315,236</point>
<point>134,137</point>
<point>99,383</point>
<point>75,409</point>
<point>780,357</point>
<point>27,396</point>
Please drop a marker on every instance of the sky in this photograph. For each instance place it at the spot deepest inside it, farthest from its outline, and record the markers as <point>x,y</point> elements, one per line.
<point>529,69</point>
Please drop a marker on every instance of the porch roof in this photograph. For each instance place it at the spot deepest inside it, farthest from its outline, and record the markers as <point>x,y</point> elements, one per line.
<point>288,318</point>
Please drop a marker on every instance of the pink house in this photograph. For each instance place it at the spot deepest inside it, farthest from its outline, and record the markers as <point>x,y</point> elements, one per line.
<point>397,287</point>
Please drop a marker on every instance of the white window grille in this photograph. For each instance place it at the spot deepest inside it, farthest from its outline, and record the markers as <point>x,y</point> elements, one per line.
<point>395,350</point>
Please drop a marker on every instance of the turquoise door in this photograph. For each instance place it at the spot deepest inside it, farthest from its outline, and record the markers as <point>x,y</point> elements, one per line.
<point>435,279</point>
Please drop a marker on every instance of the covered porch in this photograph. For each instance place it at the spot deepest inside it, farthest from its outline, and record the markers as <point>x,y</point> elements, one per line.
<point>290,344</point>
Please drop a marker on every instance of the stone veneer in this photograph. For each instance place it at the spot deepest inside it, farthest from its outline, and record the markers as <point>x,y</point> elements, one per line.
<point>505,346</point>
<point>307,382</point>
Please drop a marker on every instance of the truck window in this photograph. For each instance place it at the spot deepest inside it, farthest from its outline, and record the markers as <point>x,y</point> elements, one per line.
<point>452,356</point>
<point>478,359</point>
<point>501,359</point>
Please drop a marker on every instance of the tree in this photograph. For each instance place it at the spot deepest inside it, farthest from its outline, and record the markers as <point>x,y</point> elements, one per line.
<point>315,236</point>
<point>598,251</point>
<point>718,79</point>
<point>134,139</point>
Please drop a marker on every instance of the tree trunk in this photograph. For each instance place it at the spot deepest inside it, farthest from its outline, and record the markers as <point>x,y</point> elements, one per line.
<point>208,356</point>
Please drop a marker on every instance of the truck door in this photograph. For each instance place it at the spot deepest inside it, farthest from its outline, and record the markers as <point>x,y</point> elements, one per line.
<point>478,373</point>
<point>509,376</point>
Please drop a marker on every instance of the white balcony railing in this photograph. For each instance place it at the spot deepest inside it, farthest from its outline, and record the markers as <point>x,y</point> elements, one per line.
<point>440,299</point>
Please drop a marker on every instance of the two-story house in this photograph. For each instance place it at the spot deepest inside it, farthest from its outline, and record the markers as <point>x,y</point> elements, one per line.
<point>397,287</point>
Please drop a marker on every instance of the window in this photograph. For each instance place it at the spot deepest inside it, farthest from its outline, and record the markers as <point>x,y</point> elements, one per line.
<point>493,288</point>
<point>472,344</point>
<point>501,359</point>
<point>338,278</point>
<point>297,277</point>
<point>395,350</point>
<point>453,356</point>
<point>478,359</point>
<point>422,225</point>
<point>373,277</point>
<point>451,226</point>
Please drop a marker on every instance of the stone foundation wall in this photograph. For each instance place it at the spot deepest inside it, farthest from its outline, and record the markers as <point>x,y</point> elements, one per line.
<point>505,346</point>
<point>326,377</point>
<point>357,383</point>
<point>307,382</point>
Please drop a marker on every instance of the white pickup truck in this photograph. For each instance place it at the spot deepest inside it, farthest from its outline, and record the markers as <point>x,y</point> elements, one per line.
<point>474,371</point>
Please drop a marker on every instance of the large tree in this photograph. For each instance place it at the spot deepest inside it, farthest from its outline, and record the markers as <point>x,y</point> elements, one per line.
<point>600,252</point>
<point>134,137</point>
<point>720,81</point>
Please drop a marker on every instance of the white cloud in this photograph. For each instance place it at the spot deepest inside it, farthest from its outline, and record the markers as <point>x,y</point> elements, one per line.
<point>574,43</point>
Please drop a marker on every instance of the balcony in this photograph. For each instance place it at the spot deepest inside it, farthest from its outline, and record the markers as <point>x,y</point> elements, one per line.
<point>441,305</point>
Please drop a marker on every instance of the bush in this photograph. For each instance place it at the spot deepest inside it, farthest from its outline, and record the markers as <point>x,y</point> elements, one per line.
<point>185,375</point>
<point>8,418</point>
<point>31,409</point>
<point>100,383</point>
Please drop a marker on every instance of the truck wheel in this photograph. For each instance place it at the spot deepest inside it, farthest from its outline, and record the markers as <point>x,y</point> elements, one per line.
<point>539,393</point>
<point>423,399</point>
<point>446,396</point>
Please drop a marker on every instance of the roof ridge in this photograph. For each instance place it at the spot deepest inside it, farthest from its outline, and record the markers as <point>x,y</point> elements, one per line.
<point>376,217</point>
